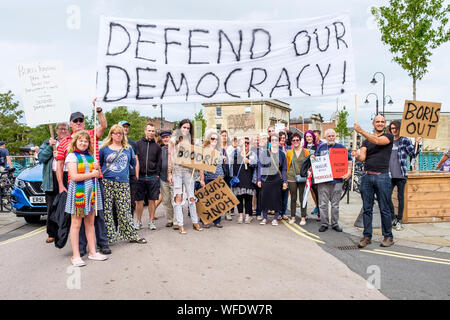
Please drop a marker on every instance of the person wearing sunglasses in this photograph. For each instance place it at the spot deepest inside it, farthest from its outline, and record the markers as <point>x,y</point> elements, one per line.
<point>242,165</point>
<point>212,142</point>
<point>402,148</point>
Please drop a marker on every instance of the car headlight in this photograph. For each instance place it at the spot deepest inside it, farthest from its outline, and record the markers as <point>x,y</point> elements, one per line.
<point>19,184</point>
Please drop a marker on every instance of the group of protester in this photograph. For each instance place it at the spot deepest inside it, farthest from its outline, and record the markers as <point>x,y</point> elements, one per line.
<point>105,186</point>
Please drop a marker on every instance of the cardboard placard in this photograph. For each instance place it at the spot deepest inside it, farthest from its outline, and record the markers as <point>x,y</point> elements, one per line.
<point>420,119</point>
<point>196,157</point>
<point>321,168</point>
<point>339,162</point>
<point>243,122</point>
<point>214,200</point>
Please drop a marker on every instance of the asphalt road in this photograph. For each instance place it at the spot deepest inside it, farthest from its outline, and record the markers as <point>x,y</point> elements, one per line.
<point>236,262</point>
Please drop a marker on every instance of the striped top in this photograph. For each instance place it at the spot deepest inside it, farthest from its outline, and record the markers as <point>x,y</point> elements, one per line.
<point>64,146</point>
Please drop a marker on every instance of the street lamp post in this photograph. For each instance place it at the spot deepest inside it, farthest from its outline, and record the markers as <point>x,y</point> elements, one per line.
<point>376,102</point>
<point>161,121</point>
<point>374,81</point>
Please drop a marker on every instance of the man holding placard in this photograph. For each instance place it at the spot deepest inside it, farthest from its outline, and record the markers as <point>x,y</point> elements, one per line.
<point>330,191</point>
<point>375,152</point>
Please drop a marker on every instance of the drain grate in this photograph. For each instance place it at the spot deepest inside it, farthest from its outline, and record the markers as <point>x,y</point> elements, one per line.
<point>353,247</point>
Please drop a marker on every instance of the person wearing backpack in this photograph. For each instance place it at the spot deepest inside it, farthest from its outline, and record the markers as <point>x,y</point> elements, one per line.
<point>296,183</point>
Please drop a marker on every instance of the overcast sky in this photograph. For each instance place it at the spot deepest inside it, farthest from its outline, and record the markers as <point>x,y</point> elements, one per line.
<point>42,30</point>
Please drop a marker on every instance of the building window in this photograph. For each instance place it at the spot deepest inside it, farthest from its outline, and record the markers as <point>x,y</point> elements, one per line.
<point>219,127</point>
<point>219,112</point>
<point>248,109</point>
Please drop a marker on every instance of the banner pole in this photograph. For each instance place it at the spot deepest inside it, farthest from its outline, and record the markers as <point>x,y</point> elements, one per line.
<point>50,126</point>
<point>95,158</point>
<point>354,143</point>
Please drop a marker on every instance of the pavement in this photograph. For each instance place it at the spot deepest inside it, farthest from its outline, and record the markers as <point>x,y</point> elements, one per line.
<point>429,236</point>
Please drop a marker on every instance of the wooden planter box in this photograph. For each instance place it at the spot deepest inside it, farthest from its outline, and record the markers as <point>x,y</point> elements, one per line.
<point>427,197</point>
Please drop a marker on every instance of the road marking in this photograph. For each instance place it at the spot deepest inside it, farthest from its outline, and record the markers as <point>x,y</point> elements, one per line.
<point>413,255</point>
<point>26,235</point>
<point>301,233</point>
<point>405,257</point>
<point>305,231</point>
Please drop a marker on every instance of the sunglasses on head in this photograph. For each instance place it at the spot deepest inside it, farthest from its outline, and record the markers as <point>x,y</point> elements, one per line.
<point>79,120</point>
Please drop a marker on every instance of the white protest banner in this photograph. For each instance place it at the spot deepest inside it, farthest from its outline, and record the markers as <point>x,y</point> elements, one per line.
<point>321,168</point>
<point>151,61</point>
<point>44,96</point>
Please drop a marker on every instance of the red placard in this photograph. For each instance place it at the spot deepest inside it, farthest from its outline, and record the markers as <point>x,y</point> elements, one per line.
<point>339,162</point>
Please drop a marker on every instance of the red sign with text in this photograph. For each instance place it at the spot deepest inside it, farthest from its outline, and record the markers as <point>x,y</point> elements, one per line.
<point>339,162</point>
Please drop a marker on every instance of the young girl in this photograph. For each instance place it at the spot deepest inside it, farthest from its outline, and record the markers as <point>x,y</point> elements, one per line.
<point>82,194</point>
<point>116,156</point>
<point>181,176</point>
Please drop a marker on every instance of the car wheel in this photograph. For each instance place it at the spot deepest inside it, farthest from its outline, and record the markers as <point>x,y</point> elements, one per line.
<point>32,219</point>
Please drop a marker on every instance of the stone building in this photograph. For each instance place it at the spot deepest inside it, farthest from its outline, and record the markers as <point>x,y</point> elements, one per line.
<point>246,116</point>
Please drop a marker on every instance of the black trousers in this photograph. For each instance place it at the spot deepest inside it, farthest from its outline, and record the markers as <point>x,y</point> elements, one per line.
<point>248,200</point>
<point>52,227</point>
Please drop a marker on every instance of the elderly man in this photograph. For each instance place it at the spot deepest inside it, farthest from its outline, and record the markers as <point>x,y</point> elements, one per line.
<point>375,152</point>
<point>331,191</point>
<point>77,123</point>
<point>47,156</point>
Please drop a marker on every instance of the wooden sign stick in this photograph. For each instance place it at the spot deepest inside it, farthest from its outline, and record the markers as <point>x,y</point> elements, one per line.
<point>50,126</point>
<point>354,142</point>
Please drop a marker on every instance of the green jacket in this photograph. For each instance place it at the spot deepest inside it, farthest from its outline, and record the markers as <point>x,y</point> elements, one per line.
<point>45,157</point>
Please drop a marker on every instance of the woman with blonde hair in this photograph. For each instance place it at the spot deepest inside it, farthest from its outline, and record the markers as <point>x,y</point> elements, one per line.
<point>116,157</point>
<point>212,143</point>
<point>82,195</point>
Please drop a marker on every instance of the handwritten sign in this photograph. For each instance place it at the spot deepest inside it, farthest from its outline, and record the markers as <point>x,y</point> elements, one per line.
<point>339,162</point>
<point>214,200</point>
<point>142,62</point>
<point>321,168</point>
<point>197,157</point>
<point>420,119</point>
<point>44,97</point>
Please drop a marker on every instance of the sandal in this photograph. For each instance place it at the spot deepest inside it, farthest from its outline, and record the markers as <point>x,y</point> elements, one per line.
<point>140,240</point>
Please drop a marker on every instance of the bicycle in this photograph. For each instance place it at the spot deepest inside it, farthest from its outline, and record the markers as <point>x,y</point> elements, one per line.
<point>346,186</point>
<point>7,180</point>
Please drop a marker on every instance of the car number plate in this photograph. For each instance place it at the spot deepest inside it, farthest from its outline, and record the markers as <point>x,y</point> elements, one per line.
<point>37,199</point>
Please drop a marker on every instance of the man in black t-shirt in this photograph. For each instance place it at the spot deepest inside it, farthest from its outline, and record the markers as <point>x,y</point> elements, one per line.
<point>375,152</point>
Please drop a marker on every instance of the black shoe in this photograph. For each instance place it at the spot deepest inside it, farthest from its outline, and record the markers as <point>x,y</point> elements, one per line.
<point>323,228</point>
<point>218,225</point>
<point>105,250</point>
<point>337,229</point>
<point>206,226</point>
<point>82,252</point>
<point>394,222</point>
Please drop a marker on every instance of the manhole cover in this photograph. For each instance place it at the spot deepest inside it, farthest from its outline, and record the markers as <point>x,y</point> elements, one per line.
<point>353,247</point>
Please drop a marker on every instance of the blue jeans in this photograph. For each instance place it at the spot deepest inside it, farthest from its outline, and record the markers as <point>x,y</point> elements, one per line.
<point>99,224</point>
<point>381,186</point>
<point>400,183</point>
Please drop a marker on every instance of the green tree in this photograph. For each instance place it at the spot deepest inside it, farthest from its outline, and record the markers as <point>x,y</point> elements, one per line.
<point>342,126</point>
<point>13,132</point>
<point>199,117</point>
<point>412,28</point>
<point>137,122</point>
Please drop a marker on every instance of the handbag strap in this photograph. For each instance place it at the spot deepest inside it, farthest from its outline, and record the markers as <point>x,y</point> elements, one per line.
<point>117,157</point>
<point>273,162</point>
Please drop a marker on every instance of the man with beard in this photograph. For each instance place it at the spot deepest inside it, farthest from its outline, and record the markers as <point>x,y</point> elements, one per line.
<point>375,152</point>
